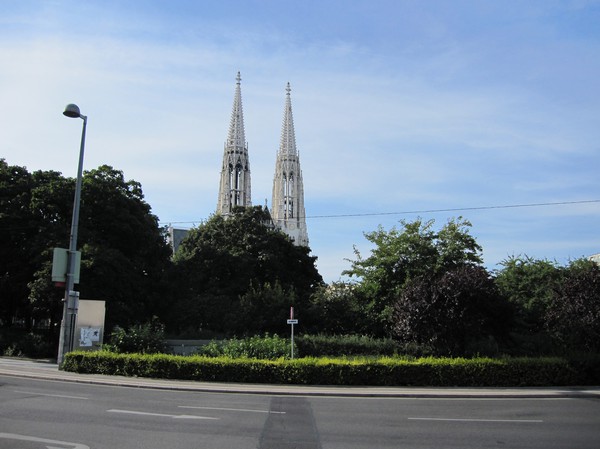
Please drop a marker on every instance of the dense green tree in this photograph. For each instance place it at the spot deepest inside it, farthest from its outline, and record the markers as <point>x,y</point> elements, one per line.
<point>33,220</point>
<point>529,284</point>
<point>125,251</point>
<point>16,230</point>
<point>124,254</point>
<point>227,258</point>
<point>573,316</point>
<point>264,308</point>
<point>340,310</point>
<point>459,312</point>
<point>413,250</point>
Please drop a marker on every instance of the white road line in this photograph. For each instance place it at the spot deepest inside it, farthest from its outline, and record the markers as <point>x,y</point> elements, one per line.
<point>163,415</point>
<point>51,395</point>
<point>479,420</point>
<point>232,409</point>
<point>14,436</point>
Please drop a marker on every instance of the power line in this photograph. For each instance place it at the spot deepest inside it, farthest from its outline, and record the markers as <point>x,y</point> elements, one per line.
<point>457,209</point>
<point>430,211</point>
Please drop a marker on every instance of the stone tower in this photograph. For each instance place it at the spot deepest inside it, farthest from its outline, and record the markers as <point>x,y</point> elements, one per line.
<point>288,189</point>
<point>234,189</point>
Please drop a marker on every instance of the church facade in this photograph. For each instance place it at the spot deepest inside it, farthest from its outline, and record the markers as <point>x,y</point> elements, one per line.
<point>287,204</point>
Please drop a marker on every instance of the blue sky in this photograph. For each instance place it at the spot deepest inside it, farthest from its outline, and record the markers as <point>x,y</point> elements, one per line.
<point>402,108</point>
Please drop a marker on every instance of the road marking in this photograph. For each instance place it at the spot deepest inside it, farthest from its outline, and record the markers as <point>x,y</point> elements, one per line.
<point>163,415</point>
<point>14,436</point>
<point>478,420</point>
<point>232,409</point>
<point>51,395</point>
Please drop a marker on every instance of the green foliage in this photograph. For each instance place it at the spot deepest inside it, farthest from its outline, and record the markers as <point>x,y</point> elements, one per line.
<point>267,347</point>
<point>338,309</point>
<point>345,345</point>
<point>22,343</point>
<point>237,263</point>
<point>391,371</point>
<point>147,338</point>
<point>125,258</point>
<point>457,313</point>
<point>400,255</point>
<point>263,307</point>
<point>529,285</point>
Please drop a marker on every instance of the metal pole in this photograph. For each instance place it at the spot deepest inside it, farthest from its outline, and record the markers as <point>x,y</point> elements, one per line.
<point>292,340</point>
<point>71,299</point>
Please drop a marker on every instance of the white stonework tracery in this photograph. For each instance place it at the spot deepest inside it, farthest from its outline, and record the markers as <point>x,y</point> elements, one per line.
<point>235,187</point>
<point>288,189</point>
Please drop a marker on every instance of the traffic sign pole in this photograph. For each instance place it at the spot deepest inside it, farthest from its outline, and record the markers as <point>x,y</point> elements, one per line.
<point>292,321</point>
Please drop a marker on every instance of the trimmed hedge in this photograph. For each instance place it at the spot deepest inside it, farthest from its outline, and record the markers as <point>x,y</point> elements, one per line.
<point>442,372</point>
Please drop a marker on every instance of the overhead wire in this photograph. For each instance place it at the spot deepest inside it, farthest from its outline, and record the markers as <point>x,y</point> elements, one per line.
<point>428,211</point>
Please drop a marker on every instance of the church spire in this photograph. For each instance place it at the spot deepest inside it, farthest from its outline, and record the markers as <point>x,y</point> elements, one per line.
<point>288,136</point>
<point>288,189</point>
<point>234,189</point>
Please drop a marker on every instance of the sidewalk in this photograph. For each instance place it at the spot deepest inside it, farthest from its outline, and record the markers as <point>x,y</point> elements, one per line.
<point>46,370</point>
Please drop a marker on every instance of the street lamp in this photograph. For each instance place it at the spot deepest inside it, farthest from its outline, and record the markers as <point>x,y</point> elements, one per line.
<point>71,300</point>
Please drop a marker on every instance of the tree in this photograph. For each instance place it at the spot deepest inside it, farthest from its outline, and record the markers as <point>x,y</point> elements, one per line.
<point>125,257</point>
<point>15,232</point>
<point>261,308</point>
<point>227,258</point>
<point>529,285</point>
<point>574,313</point>
<point>340,310</point>
<point>456,313</point>
<point>413,251</point>
<point>33,209</point>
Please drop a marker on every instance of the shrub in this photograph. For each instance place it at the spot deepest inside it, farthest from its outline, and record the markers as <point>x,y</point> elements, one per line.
<point>145,338</point>
<point>345,345</point>
<point>456,313</point>
<point>28,344</point>
<point>267,347</point>
<point>574,314</point>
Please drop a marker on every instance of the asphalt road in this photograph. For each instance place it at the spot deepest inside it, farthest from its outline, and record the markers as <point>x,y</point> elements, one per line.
<point>41,407</point>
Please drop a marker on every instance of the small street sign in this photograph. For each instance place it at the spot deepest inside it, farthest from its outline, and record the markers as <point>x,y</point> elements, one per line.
<point>292,321</point>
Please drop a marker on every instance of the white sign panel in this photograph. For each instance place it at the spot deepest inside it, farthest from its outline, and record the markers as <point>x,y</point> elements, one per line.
<point>89,336</point>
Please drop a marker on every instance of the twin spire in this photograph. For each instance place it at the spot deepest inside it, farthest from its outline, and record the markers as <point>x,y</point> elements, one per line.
<point>235,173</point>
<point>288,190</point>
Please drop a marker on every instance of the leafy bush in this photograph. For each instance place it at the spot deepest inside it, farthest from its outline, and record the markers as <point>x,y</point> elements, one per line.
<point>574,314</point>
<point>390,371</point>
<point>345,345</point>
<point>267,347</point>
<point>145,338</point>
<point>28,344</point>
<point>458,313</point>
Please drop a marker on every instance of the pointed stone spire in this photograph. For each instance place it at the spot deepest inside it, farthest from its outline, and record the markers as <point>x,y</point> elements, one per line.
<point>235,186</point>
<point>288,189</point>
<point>288,136</point>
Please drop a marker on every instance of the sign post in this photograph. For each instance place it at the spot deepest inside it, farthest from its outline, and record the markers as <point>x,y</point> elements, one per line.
<point>292,321</point>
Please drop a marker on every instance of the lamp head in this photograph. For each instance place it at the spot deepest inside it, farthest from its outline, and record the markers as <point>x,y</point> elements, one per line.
<point>72,110</point>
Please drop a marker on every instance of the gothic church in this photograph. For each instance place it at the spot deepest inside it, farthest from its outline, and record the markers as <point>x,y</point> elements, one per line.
<point>287,206</point>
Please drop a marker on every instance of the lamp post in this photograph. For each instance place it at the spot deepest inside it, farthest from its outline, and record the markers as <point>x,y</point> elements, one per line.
<point>71,300</point>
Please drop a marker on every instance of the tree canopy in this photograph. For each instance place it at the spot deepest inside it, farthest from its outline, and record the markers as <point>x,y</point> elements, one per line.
<point>573,315</point>
<point>229,258</point>
<point>411,251</point>
<point>529,284</point>
<point>124,253</point>
<point>455,313</point>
